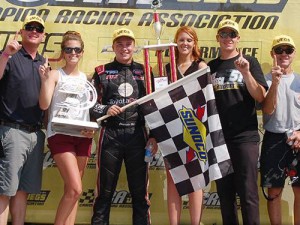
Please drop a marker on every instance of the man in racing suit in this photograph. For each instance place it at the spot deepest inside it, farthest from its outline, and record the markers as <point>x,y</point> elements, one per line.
<point>123,135</point>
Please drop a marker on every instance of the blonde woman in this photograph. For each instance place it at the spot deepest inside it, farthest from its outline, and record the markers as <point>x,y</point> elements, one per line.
<point>70,153</point>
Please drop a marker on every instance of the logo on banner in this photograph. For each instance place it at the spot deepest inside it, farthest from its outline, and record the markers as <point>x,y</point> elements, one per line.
<point>38,199</point>
<point>205,5</point>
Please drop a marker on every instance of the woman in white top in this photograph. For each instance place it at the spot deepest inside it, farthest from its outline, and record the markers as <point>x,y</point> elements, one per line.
<point>69,152</point>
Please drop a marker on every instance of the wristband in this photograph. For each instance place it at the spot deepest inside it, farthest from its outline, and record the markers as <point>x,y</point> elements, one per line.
<point>6,55</point>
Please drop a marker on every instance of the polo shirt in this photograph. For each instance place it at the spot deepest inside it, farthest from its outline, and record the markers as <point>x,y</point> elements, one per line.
<point>20,88</point>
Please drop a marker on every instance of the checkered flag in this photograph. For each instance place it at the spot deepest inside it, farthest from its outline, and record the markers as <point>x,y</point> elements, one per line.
<point>184,120</point>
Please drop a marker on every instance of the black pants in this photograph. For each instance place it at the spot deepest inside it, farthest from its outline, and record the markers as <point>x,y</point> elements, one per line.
<point>243,182</point>
<point>116,145</point>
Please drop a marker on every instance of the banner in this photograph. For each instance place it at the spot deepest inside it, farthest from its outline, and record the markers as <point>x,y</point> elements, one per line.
<point>184,120</point>
<point>95,20</point>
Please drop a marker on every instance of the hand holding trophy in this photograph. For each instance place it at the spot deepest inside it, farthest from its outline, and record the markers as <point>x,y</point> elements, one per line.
<point>78,95</point>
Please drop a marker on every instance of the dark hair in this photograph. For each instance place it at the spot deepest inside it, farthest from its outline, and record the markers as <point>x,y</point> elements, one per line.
<point>192,33</point>
<point>71,35</point>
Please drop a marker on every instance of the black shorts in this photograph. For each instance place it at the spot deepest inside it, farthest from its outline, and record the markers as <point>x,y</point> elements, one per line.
<point>275,160</point>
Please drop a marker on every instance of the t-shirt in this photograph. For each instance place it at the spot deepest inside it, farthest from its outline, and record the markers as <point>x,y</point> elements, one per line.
<point>287,113</point>
<point>235,104</point>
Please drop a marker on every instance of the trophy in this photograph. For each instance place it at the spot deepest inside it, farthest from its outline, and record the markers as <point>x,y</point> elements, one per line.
<point>159,48</point>
<point>157,26</point>
<point>75,97</point>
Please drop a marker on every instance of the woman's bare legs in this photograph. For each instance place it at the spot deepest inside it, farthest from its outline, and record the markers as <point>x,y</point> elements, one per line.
<point>71,169</point>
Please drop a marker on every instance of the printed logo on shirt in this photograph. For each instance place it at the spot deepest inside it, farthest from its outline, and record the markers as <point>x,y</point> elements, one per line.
<point>125,90</point>
<point>230,79</point>
<point>111,72</point>
<point>122,101</point>
<point>138,73</point>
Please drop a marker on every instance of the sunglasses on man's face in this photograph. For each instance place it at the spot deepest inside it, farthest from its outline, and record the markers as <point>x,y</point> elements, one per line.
<point>231,34</point>
<point>280,50</point>
<point>69,50</point>
<point>38,29</point>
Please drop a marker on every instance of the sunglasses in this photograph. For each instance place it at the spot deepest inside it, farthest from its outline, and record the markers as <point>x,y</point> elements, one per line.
<point>224,34</point>
<point>69,50</point>
<point>288,50</point>
<point>38,29</point>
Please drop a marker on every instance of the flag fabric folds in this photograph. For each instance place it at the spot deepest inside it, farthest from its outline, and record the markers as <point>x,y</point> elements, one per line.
<point>184,120</point>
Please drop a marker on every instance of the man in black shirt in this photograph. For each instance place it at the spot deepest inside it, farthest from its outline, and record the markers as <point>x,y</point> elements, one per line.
<point>238,82</point>
<point>21,138</point>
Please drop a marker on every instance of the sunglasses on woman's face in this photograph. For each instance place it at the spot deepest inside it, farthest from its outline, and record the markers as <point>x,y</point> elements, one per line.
<point>287,50</point>
<point>38,29</point>
<point>69,50</point>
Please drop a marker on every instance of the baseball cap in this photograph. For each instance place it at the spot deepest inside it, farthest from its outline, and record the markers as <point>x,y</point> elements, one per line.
<point>283,40</point>
<point>34,18</point>
<point>123,32</point>
<point>228,24</point>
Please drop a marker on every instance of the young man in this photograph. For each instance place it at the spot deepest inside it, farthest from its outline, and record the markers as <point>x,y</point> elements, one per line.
<point>22,141</point>
<point>122,136</point>
<point>238,82</point>
<point>281,112</point>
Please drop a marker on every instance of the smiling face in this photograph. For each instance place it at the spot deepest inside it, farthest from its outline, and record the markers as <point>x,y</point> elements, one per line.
<point>32,33</point>
<point>124,48</point>
<point>185,44</point>
<point>285,55</point>
<point>72,51</point>
<point>228,39</point>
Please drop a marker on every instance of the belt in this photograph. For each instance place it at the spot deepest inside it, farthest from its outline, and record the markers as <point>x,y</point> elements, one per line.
<point>20,126</point>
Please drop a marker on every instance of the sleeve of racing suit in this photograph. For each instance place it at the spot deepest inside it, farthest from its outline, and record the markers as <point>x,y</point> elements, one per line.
<point>98,110</point>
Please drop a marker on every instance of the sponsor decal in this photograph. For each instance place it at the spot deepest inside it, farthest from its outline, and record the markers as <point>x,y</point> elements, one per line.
<point>194,133</point>
<point>211,200</point>
<point>190,5</point>
<point>38,199</point>
<point>121,199</point>
<point>125,89</point>
<point>123,101</point>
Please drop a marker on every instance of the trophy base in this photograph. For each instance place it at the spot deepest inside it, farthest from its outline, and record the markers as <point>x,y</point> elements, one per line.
<point>72,127</point>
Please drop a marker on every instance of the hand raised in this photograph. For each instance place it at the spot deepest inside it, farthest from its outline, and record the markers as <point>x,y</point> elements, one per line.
<point>13,45</point>
<point>242,64</point>
<point>44,70</point>
<point>276,70</point>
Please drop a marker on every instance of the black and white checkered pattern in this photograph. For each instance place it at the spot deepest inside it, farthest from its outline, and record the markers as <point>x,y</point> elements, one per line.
<point>161,113</point>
